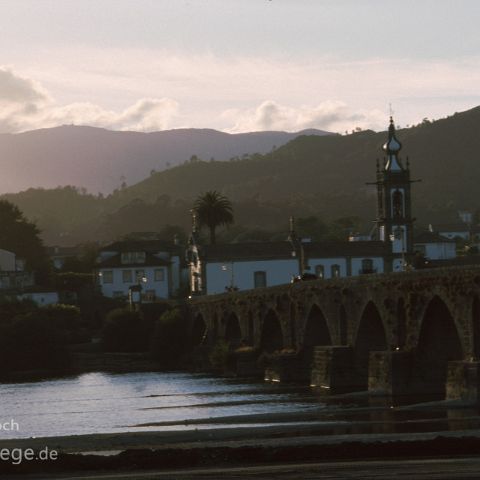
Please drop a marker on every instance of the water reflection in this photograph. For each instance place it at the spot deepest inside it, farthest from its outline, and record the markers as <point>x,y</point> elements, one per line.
<point>102,402</point>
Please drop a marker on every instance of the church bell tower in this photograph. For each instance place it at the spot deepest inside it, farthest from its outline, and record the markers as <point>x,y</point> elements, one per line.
<point>394,219</point>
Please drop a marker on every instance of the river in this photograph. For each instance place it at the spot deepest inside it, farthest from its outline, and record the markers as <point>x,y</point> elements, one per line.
<point>111,403</point>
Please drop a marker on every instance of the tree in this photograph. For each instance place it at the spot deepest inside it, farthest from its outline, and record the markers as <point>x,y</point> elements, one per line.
<point>213,210</point>
<point>125,331</point>
<point>22,237</point>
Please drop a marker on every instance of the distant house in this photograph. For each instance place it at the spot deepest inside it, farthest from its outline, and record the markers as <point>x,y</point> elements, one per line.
<point>434,246</point>
<point>153,267</point>
<point>40,297</point>
<point>12,272</point>
<point>454,231</point>
<point>58,255</point>
<point>216,269</point>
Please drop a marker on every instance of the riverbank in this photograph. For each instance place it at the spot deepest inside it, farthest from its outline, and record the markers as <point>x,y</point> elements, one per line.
<point>159,451</point>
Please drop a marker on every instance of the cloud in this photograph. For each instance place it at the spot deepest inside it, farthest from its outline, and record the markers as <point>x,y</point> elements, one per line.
<point>151,89</point>
<point>15,89</point>
<point>26,105</point>
<point>328,115</point>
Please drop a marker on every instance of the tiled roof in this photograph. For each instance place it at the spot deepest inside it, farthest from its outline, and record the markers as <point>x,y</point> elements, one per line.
<point>56,251</point>
<point>283,250</point>
<point>116,262</point>
<point>454,227</point>
<point>431,237</point>
<point>151,246</point>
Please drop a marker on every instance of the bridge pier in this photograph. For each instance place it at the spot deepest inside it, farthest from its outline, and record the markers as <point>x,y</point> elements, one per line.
<point>332,369</point>
<point>283,368</point>
<point>389,372</point>
<point>463,381</point>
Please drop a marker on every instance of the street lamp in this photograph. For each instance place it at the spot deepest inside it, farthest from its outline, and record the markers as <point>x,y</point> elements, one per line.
<point>232,287</point>
<point>135,292</point>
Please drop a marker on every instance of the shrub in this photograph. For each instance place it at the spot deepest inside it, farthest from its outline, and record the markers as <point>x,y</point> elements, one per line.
<point>31,342</point>
<point>125,331</point>
<point>170,340</point>
<point>220,354</point>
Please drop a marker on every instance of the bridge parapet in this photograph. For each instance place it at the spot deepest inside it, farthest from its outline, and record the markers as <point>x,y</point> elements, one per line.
<point>433,314</point>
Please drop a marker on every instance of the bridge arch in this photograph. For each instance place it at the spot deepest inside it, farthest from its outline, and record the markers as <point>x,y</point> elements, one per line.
<point>370,337</point>
<point>476,326</point>
<point>233,332</point>
<point>199,330</point>
<point>401,319</point>
<point>271,338</point>
<point>316,333</point>
<point>342,326</point>
<point>316,329</point>
<point>438,343</point>
<point>215,327</point>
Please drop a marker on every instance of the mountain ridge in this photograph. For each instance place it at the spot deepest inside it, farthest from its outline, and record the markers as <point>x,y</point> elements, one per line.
<point>322,176</point>
<point>101,160</point>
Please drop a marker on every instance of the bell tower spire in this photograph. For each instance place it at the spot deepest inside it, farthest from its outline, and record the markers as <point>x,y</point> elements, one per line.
<point>394,220</point>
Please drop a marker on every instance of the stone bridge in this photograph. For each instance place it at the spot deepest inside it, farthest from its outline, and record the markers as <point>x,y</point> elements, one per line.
<point>399,332</point>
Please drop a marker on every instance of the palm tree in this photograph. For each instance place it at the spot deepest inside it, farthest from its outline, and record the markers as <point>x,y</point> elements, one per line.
<point>213,210</point>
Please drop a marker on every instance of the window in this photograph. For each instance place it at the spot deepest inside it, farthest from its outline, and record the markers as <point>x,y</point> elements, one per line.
<point>367,266</point>
<point>159,275</point>
<point>335,270</point>
<point>320,271</point>
<point>133,257</point>
<point>260,279</point>
<point>127,276</point>
<point>397,203</point>
<point>107,276</point>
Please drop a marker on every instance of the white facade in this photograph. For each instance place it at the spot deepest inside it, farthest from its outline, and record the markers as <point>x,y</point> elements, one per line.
<point>115,282</point>
<point>216,269</point>
<point>328,267</point>
<point>437,250</point>
<point>246,275</point>
<point>364,265</point>
<point>7,261</point>
<point>41,298</point>
<point>154,265</point>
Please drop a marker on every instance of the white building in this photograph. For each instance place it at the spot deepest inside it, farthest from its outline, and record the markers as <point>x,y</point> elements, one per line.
<point>154,265</point>
<point>12,272</point>
<point>454,231</point>
<point>434,246</point>
<point>217,269</point>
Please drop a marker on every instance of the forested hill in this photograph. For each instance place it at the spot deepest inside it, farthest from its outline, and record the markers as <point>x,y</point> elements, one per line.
<point>311,175</point>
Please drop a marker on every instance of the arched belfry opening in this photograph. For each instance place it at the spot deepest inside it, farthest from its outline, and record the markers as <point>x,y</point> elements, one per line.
<point>199,330</point>
<point>233,332</point>
<point>370,338</point>
<point>271,339</point>
<point>438,343</point>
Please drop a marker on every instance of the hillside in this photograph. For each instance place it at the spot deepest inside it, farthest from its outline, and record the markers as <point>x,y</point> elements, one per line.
<point>311,175</point>
<point>101,160</point>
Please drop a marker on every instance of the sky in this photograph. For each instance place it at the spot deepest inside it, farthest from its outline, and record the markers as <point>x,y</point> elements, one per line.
<point>236,65</point>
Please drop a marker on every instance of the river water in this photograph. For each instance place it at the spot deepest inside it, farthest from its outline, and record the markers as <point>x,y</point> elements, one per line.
<point>104,403</point>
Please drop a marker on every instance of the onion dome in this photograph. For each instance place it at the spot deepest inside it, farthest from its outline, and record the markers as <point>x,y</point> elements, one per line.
<point>392,146</point>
